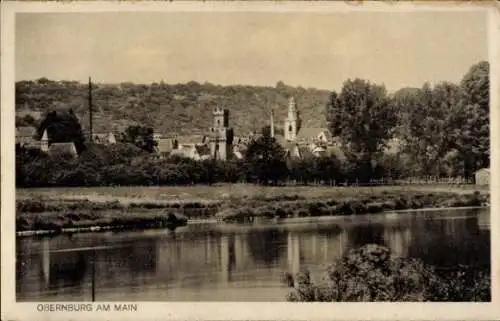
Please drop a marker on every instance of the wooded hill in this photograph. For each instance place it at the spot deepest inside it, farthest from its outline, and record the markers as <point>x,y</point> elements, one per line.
<point>179,108</point>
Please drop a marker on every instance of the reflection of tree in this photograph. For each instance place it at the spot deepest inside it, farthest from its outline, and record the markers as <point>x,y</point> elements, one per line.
<point>68,268</point>
<point>267,245</point>
<point>366,234</point>
<point>142,257</point>
<point>22,259</point>
<point>449,242</point>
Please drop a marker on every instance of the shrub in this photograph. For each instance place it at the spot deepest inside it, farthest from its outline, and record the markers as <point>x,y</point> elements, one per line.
<point>369,273</point>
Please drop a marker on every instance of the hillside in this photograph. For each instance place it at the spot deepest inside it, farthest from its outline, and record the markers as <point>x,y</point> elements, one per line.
<point>180,108</point>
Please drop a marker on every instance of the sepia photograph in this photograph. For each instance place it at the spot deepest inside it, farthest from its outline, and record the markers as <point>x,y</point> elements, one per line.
<point>249,155</point>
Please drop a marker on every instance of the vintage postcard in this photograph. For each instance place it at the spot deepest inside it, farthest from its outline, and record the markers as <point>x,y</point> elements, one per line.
<point>236,160</point>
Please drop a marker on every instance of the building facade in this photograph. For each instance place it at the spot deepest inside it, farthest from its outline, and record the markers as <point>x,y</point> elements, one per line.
<point>221,135</point>
<point>482,176</point>
<point>292,122</point>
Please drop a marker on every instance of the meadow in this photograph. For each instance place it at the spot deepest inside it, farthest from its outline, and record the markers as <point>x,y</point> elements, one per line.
<point>220,192</point>
<point>59,209</point>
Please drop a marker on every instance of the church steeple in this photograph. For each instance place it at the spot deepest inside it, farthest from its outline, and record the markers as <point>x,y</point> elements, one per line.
<point>44,142</point>
<point>292,121</point>
<point>272,123</point>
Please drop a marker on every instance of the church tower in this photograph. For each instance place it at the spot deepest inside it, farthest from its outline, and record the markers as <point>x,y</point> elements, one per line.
<point>221,136</point>
<point>292,122</point>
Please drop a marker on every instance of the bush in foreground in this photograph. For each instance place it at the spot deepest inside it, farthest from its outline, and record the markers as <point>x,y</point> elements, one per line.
<point>370,273</point>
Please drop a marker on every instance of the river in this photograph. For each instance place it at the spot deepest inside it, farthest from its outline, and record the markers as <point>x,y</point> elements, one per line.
<point>229,262</point>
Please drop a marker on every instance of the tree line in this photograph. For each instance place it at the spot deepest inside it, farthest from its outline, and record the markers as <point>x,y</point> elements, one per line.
<point>123,163</point>
<point>440,130</point>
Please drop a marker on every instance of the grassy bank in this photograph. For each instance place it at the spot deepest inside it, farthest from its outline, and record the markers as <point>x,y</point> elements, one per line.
<point>88,220</point>
<point>363,204</point>
<point>197,193</point>
<point>136,207</point>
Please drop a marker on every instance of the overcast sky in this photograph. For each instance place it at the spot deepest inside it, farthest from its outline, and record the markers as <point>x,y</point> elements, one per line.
<point>307,49</point>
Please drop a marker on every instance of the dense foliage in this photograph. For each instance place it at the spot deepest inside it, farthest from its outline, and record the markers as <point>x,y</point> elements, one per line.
<point>140,136</point>
<point>265,160</point>
<point>363,118</point>
<point>370,273</point>
<point>126,164</point>
<point>180,108</point>
<point>444,130</point>
<point>62,127</point>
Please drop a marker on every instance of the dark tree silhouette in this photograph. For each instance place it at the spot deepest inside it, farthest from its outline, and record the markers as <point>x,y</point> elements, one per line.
<point>265,160</point>
<point>62,127</point>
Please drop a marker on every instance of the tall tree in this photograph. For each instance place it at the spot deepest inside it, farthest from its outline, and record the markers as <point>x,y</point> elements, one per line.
<point>265,160</point>
<point>470,119</point>
<point>62,127</point>
<point>363,119</point>
<point>141,137</point>
<point>425,126</point>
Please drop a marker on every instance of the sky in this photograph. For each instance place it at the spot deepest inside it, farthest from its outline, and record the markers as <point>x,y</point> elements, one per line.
<point>321,50</point>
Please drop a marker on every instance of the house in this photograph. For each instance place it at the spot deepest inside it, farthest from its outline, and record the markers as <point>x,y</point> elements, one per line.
<point>482,176</point>
<point>196,152</point>
<point>104,138</point>
<point>192,140</point>
<point>302,151</point>
<point>165,146</point>
<point>294,132</point>
<point>394,146</point>
<point>67,148</point>
<point>26,137</point>
<point>314,134</point>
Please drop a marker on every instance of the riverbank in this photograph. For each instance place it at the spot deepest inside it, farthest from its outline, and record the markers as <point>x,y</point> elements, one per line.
<point>64,212</point>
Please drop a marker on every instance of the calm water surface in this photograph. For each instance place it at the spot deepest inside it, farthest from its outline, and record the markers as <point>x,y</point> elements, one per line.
<point>219,262</point>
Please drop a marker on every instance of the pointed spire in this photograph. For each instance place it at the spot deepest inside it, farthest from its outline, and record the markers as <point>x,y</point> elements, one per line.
<point>272,123</point>
<point>90,111</point>
<point>45,137</point>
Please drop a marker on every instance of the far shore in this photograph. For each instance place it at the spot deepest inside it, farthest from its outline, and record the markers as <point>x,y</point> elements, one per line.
<point>97,228</point>
<point>53,211</point>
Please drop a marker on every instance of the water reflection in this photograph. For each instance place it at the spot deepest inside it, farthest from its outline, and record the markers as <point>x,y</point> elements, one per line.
<point>221,262</point>
<point>267,246</point>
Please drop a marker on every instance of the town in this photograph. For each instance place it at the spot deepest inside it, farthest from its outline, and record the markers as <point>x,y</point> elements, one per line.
<point>218,142</point>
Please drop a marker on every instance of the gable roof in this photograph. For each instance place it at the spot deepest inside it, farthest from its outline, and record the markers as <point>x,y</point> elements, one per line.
<point>483,170</point>
<point>306,133</point>
<point>191,139</point>
<point>63,148</point>
<point>165,145</point>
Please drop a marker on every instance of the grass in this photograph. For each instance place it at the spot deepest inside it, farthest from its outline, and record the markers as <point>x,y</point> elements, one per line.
<point>145,207</point>
<point>359,205</point>
<point>54,222</point>
<point>176,194</point>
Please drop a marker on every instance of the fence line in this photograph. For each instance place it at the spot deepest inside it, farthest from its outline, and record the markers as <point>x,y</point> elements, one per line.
<point>388,181</point>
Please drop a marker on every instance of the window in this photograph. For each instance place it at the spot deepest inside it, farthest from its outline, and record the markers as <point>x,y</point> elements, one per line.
<point>218,121</point>
<point>290,128</point>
